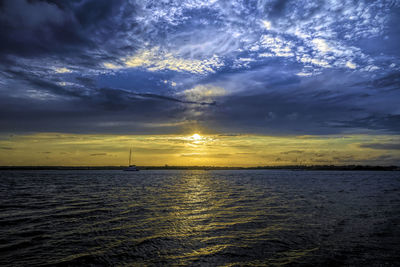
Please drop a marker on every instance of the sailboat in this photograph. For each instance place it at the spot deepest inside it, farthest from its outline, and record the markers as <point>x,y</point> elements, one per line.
<point>131,167</point>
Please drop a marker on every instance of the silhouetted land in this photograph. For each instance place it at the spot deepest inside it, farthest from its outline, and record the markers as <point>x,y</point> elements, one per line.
<point>166,167</point>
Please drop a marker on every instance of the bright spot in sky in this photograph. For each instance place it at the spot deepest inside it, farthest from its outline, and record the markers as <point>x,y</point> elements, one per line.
<point>351,65</point>
<point>196,137</point>
<point>62,70</point>
<point>266,24</point>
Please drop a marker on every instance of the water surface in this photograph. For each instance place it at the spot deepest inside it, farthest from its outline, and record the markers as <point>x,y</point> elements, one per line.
<point>211,218</point>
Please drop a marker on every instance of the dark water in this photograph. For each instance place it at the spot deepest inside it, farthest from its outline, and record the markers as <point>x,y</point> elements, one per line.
<point>205,218</point>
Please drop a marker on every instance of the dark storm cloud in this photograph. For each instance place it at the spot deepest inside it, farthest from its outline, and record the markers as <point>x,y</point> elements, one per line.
<point>269,67</point>
<point>277,114</point>
<point>390,81</point>
<point>53,107</point>
<point>88,82</point>
<point>385,122</point>
<point>321,105</point>
<point>89,116</point>
<point>34,28</point>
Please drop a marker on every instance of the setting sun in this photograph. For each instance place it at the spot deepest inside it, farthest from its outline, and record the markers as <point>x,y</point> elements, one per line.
<point>196,137</point>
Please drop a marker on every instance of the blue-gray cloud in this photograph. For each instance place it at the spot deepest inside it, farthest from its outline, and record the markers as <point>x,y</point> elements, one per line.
<point>270,67</point>
<point>389,146</point>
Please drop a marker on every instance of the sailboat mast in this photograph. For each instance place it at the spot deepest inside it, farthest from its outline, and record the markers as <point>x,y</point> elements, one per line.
<point>130,154</point>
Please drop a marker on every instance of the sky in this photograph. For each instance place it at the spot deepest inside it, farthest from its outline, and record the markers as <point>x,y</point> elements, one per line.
<point>262,82</point>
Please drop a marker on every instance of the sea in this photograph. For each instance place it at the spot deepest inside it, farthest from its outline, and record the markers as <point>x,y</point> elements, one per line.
<point>199,218</point>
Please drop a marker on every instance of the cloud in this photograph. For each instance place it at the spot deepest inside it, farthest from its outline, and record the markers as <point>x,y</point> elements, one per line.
<point>351,65</point>
<point>390,81</point>
<point>204,93</point>
<point>321,45</point>
<point>304,74</point>
<point>270,67</point>
<point>31,28</point>
<point>62,70</point>
<point>206,156</point>
<point>382,146</point>
<point>155,60</point>
<point>293,152</point>
<point>24,14</point>
<point>277,45</point>
<point>266,24</point>
<point>98,154</point>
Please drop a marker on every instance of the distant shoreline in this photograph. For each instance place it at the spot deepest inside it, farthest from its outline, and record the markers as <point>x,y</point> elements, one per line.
<point>290,167</point>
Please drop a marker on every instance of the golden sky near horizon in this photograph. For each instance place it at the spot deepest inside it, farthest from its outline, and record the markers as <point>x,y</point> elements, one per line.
<point>57,149</point>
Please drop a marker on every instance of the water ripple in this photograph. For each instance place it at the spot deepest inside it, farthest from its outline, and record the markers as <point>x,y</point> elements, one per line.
<point>196,218</point>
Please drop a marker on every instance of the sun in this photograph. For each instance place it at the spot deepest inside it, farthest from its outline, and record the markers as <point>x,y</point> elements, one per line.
<point>196,137</point>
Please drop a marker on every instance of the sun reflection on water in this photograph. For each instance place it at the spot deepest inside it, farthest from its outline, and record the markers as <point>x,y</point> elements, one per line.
<point>195,216</point>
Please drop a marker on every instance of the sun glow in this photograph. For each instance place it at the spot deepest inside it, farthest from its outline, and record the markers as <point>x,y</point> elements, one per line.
<point>196,137</point>
<point>62,149</point>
